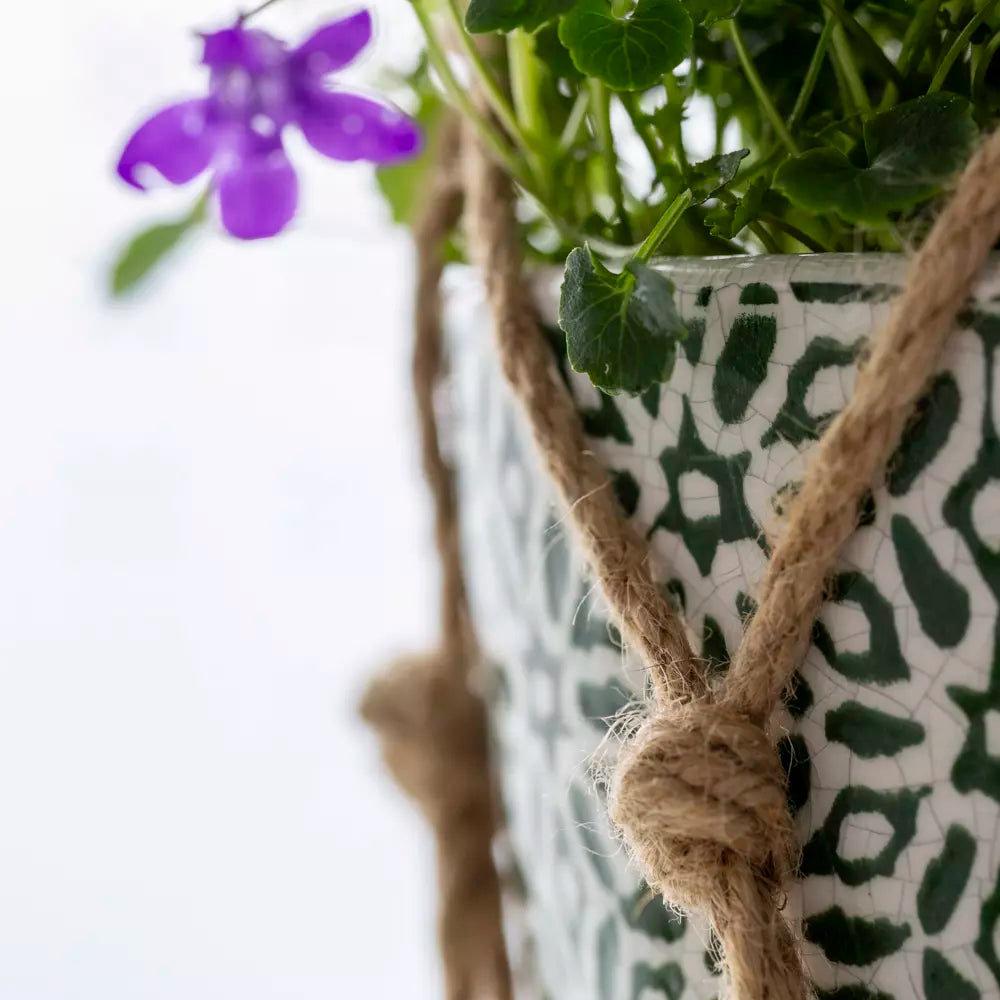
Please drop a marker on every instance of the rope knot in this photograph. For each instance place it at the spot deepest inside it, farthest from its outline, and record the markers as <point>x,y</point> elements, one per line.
<point>432,731</point>
<point>697,793</point>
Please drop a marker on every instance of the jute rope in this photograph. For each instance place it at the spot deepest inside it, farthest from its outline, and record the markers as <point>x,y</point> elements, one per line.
<point>432,726</point>
<point>699,794</point>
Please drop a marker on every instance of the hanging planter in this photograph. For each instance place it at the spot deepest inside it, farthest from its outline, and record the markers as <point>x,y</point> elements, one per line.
<point>737,598</point>
<point>892,779</point>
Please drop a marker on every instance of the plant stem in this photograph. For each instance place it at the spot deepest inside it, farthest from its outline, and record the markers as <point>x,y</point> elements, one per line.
<point>852,78</point>
<point>461,98</point>
<point>769,242</point>
<point>912,51</point>
<point>666,222</point>
<point>979,77</point>
<point>525,77</point>
<point>812,74</point>
<point>757,86</point>
<point>526,85</point>
<point>676,96</point>
<point>958,46</point>
<point>720,130</point>
<point>846,97</point>
<point>197,213</point>
<point>796,234</point>
<point>254,11</point>
<point>630,103</point>
<point>574,120</point>
<point>491,90</point>
<point>960,10</point>
<point>601,108</point>
<point>871,49</point>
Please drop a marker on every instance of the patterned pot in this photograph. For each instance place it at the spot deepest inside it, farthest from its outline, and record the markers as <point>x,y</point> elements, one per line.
<point>892,740</point>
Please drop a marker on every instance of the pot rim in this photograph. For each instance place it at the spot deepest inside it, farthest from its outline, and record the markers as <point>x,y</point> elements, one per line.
<point>884,268</point>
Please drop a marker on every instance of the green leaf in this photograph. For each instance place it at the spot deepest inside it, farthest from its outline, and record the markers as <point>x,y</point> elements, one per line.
<point>554,54</point>
<point>709,12</point>
<point>711,175</point>
<point>506,15</point>
<point>913,150</point>
<point>621,329</point>
<point>627,53</point>
<point>147,249</point>
<point>729,220</point>
<point>403,184</point>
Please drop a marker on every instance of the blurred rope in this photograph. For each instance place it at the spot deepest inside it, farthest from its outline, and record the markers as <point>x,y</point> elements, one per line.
<point>431,723</point>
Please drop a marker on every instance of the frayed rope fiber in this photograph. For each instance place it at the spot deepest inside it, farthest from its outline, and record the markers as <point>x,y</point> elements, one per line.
<point>699,793</point>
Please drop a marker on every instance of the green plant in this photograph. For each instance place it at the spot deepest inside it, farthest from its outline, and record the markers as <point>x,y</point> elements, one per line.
<point>831,125</point>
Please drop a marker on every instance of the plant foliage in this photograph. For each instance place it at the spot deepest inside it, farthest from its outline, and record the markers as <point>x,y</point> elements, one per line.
<point>831,126</point>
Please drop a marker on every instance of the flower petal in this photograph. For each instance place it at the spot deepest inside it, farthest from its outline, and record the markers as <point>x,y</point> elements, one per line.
<point>176,141</point>
<point>258,194</point>
<point>249,49</point>
<point>335,45</point>
<point>351,127</point>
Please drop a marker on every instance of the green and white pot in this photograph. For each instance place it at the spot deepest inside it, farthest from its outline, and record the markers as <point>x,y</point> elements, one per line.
<point>892,741</point>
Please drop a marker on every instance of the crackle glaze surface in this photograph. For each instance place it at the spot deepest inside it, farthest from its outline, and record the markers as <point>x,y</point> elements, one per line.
<point>892,741</point>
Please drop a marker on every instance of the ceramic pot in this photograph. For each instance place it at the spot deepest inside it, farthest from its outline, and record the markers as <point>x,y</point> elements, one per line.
<point>892,738</point>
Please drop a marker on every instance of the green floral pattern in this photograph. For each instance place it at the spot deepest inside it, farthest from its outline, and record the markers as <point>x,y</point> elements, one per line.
<point>892,734</point>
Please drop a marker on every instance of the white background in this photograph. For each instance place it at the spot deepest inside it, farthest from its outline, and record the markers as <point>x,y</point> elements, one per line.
<point>211,530</point>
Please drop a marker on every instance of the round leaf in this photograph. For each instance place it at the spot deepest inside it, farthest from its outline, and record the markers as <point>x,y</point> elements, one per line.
<point>627,53</point>
<point>913,150</point>
<point>709,12</point>
<point>506,15</point>
<point>621,329</point>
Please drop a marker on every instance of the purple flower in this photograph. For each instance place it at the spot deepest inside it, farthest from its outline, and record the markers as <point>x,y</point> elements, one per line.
<point>258,86</point>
